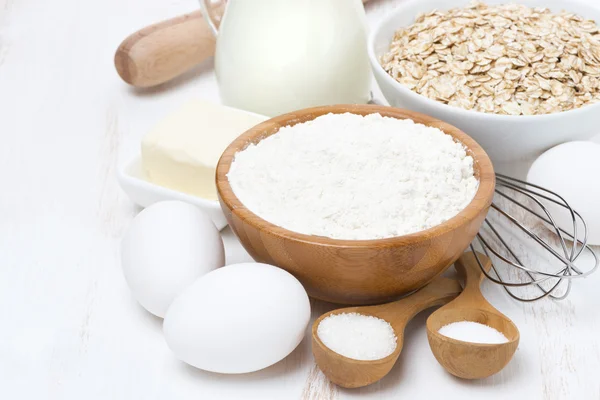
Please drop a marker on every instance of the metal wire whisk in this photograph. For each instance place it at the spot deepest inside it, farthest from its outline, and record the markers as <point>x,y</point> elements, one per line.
<point>520,197</point>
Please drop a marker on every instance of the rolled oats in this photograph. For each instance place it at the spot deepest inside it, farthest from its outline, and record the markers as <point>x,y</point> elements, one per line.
<point>504,59</point>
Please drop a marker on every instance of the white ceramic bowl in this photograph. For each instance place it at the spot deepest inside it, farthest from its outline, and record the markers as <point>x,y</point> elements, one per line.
<point>141,191</point>
<point>504,137</point>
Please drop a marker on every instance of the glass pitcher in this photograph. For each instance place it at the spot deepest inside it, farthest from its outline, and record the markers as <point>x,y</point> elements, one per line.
<point>277,56</point>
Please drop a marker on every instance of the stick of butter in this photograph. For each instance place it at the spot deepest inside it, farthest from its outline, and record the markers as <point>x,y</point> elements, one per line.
<point>182,150</point>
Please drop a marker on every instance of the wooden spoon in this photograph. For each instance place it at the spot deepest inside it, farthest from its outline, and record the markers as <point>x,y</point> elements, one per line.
<point>351,373</point>
<point>466,359</point>
<point>162,51</point>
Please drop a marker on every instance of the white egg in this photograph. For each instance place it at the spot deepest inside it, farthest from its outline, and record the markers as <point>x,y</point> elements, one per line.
<point>239,318</point>
<point>571,170</point>
<point>168,246</point>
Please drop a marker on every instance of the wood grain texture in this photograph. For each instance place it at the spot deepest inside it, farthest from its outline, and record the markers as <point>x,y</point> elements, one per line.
<point>351,373</point>
<point>464,359</point>
<point>164,50</point>
<point>318,386</point>
<point>356,271</point>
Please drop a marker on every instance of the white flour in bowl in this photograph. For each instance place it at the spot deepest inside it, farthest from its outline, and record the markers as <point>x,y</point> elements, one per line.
<point>345,176</point>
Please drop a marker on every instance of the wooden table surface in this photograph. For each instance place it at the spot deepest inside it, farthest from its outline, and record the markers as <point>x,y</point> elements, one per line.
<point>70,328</point>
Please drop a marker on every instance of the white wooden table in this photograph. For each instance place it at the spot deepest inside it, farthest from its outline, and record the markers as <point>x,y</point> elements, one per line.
<point>70,328</point>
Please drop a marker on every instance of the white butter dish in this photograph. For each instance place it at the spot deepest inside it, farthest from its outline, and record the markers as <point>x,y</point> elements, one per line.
<point>142,192</point>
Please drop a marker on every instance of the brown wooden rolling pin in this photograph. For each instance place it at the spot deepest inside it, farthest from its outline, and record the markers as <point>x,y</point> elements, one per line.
<point>165,50</point>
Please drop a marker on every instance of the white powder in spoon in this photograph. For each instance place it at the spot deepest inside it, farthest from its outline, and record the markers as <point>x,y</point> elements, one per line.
<point>347,176</point>
<point>357,336</point>
<point>473,332</point>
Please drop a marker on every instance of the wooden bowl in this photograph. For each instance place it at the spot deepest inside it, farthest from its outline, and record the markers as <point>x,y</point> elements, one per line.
<point>356,271</point>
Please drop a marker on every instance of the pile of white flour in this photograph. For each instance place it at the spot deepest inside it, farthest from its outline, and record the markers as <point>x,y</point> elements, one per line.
<point>346,176</point>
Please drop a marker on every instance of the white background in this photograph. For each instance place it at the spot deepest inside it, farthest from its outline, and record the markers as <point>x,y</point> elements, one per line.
<point>69,328</point>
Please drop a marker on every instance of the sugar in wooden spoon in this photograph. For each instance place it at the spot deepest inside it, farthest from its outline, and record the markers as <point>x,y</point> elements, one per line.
<point>352,373</point>
<point>468,359</point>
